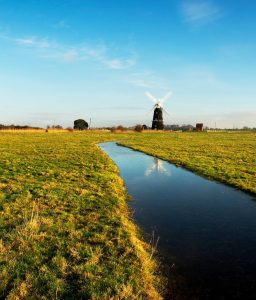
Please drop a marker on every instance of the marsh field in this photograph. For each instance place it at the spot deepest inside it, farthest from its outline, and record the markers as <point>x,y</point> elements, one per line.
<point>66,231</point>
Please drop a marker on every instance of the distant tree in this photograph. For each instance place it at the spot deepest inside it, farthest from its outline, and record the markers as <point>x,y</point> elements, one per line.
<point>54,127</point>
<point>57,127</point>
<point>173,127</point>
<point>188,127</point>
<point>80,124</point>
<point>120,128</point>
<point>176,127</point>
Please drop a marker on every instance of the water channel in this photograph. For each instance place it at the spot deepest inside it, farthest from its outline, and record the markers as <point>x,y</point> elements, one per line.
<point>206,230</point>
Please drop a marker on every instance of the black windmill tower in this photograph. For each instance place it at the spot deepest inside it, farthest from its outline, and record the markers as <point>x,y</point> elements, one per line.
<point>158,122</point>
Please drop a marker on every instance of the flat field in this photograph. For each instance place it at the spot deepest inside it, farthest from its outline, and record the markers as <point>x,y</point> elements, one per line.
<point>229,157</point>
<point>65,229</point>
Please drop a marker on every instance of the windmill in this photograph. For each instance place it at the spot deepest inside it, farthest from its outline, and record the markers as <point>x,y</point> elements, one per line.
<point>157,122</point>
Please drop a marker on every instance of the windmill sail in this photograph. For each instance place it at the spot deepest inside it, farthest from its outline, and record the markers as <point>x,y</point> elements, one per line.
<point>151,97</point>
<point>167,96</point>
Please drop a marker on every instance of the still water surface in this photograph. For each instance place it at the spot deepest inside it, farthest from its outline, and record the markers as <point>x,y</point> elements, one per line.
<point>206,230</point>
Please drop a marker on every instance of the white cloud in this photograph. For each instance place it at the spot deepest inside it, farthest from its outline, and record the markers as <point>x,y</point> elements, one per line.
<point>200,11</point>
<point>35,42</point>
<point>70,55</point>
<point>26,41</point>
<point>106,56</point>
<point>118,64</point>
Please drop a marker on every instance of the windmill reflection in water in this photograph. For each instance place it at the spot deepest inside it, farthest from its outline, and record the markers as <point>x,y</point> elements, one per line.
<point>157,167</point>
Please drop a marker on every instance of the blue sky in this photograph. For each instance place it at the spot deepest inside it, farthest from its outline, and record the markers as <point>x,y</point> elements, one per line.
<point>66,59</point>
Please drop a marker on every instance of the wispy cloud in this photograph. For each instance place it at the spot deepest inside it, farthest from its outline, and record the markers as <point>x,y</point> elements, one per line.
<point>108,57</point>
<point>75,53</point>
<point>34,42</point>
<point>198,12</point>
<point>148,79</point>
<point>118,63</point>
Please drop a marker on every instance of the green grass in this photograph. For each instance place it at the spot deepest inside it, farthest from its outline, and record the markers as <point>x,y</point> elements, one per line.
<point>229,157</point>
<point>65,229</point>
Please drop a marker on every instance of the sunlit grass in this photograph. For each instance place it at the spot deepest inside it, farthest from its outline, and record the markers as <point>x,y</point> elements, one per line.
<point>229,157</point>
<point>65,229</point>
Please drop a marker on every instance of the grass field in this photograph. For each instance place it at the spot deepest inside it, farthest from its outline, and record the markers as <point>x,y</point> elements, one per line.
<point>229,157</point>
<point>65,229</point>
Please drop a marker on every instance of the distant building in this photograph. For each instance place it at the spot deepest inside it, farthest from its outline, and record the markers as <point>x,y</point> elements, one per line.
<point>199,126</point>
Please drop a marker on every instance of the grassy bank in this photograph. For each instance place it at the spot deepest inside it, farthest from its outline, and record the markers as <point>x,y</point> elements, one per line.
<point>65,230</point>
<point>229,157</point>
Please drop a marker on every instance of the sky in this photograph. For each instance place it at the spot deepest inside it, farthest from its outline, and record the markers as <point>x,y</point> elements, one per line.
<point>61,60</point>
